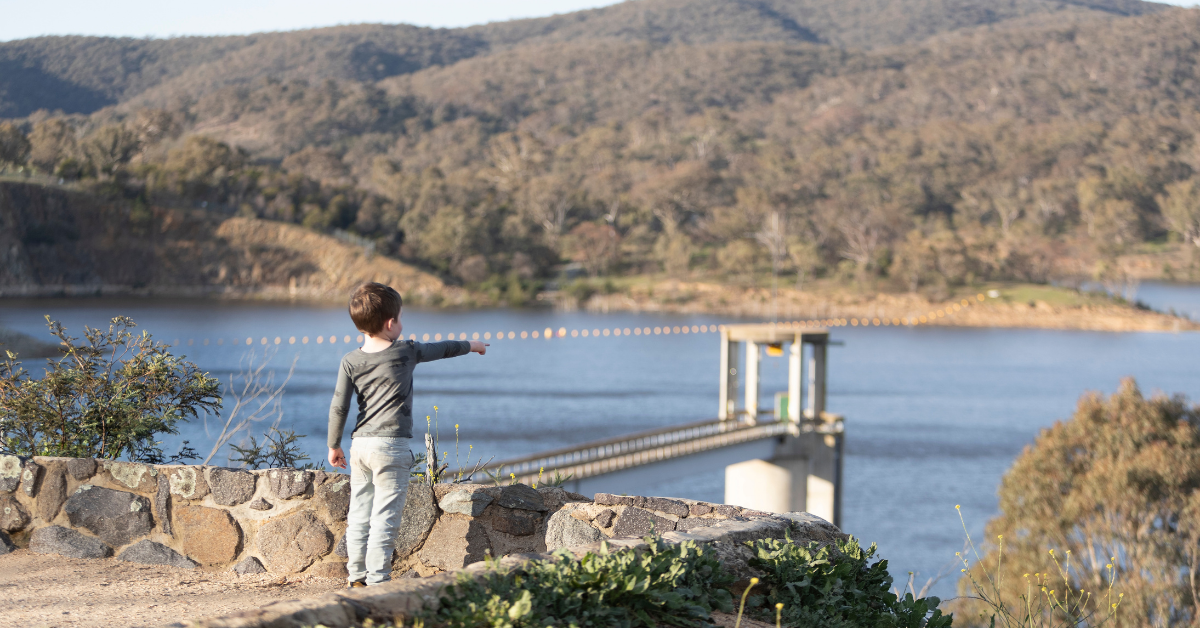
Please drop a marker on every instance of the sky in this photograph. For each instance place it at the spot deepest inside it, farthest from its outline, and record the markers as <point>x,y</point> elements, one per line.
<point>156,18</point>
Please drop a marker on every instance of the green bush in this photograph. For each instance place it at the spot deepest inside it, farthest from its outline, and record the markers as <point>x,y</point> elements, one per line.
<point>676,585</point>
<point>107,397</point>
<point>835,587</point>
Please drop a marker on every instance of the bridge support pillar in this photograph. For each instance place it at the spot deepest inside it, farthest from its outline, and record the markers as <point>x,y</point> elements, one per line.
<point>805,474</point>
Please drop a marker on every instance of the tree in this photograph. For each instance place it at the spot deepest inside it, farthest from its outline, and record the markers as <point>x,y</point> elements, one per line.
<point>110,147</point>
<point>596,246</point>
<point>107,397</point>
<point>1180,207</point>
<point>1117,484</point>
<point>14,146</point>
<point>50,142</point>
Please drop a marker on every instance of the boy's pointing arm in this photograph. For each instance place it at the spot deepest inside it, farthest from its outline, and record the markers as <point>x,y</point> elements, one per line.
<point>430,351</point>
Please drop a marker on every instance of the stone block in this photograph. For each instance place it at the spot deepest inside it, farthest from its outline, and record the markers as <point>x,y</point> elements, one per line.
<point>661,504</point>
<point>521,497</point>
<point>333,498</point>
<point>340,550</point>
<point>162,504</point>
<point>31,478</point>
<point>187,482</point>
<point>136,476</point>
<point>231,487</point>
<point>808,527</point>
<point>471,503</point>
<point>511,521</point>
<point>692,523</point>
<point>117,517</point>
<point>698,509</point>
<point>6,544</point>
<point>420,513</point>
<point>289,483</point>
<point>636,522</point>
<point>563,530</point>
<point>605,517</point>
<point>67,542</point>
<point>82,469</point>
<point>248,566</point>
<point>260,504</point>
<point>210,536</point>
<point>505,544</point>
<point>455,542</point>
<point>10,472</point>
<point>148,552</point>
<point>335,570</point>
<point>13,517</point>
<point>725,510</point>
<point>291,544</point>
<point>53,491</point>
<point>554,497</point>
<point>608,499</point>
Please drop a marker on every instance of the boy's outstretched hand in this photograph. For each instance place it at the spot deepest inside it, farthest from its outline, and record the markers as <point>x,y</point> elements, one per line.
<point>337,458</point>
<point>479,347</point>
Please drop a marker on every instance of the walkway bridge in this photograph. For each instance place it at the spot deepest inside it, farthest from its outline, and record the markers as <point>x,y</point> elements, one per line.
<point>780,460</point>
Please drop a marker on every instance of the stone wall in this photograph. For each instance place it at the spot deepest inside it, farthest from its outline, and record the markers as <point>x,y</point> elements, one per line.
<point>293,521</point>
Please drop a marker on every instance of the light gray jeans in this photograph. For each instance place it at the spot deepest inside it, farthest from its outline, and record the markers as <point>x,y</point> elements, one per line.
<point>379,468</point>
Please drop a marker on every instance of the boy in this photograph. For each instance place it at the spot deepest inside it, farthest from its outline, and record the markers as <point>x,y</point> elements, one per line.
<point>380,374</point>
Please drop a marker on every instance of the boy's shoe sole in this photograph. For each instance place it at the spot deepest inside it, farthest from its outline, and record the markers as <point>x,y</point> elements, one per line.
<point>356,584</point>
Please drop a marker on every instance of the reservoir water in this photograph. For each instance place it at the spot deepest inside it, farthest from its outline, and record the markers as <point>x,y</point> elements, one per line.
<point>934,416</point>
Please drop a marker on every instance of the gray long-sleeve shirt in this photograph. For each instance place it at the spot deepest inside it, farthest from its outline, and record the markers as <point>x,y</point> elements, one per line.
<point>383,383</point>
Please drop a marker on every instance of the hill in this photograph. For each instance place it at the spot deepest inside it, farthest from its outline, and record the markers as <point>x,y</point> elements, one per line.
<point>84,74</point>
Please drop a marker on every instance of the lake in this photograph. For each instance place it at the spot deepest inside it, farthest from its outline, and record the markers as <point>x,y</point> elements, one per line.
<point>934,416</point>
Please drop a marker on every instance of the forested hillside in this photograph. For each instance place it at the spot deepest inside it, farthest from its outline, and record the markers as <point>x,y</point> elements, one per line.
<point>1052,145</point>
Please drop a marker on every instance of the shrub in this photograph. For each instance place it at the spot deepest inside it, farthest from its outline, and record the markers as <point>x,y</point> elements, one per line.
<point>677,585</point>
<point>835,586</point>
<point>106,397</point>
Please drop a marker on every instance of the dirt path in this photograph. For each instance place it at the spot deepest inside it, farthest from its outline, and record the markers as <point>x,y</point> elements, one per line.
<point>48,590</point>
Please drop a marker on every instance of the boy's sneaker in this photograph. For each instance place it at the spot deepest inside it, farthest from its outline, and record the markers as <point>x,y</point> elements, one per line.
<point>356,584</point>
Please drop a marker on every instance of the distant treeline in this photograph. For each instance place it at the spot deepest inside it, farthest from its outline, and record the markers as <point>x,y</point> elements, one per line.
<point>1025,154</point>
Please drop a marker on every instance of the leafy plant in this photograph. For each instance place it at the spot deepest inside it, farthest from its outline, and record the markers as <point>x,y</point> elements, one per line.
<point>278,451</point>
<point>109,396</point>
<point>834,586</point>
<point>678,585</point>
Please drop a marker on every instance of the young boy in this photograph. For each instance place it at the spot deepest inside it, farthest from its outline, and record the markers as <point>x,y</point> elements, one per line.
<point>380,374</point>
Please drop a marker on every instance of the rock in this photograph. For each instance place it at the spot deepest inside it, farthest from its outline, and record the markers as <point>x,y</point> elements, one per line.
<point>142,478</point>
<point>148,552</point>
<point>455,542</point>
<point>335,570</point>
<point>514,522</point>
<point>605,518</point>
<point>81,469</point>
<point>340,550</point>
<point>469,503</point>
<point>608,499</point>
<point>563,530</point>
<point>726,510</point>
<point>696,510</point>
<point>260,504</point>
<point>116,517</point>
<point>31,476</point>
<point>693,523</point>
<point>162,504</point>
<point>333,498</point>
<point>669,506</point>
<point>636,522</point>
<point>417,519</point>
<point>6,544</point>
<point>231,487</point>
<point>521,497</point>
<point>67,542</point>
<point>13,517</point>
<point>188,482</point>
<point>291,544</point>
<point>554,497</point>
<point>209,536</point>
<point>289,483</point>
<point>10,473</point>
<point>249,565</point>
<point>53,491</point>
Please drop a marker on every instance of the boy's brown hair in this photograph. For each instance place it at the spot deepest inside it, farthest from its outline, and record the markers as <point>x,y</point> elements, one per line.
<point>373,305</point>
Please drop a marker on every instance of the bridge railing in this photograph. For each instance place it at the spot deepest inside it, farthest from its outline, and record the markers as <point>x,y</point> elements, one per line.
<point>614,454</point>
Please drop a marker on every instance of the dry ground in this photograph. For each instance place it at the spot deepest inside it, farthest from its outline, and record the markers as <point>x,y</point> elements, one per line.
<point>47,590</point>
